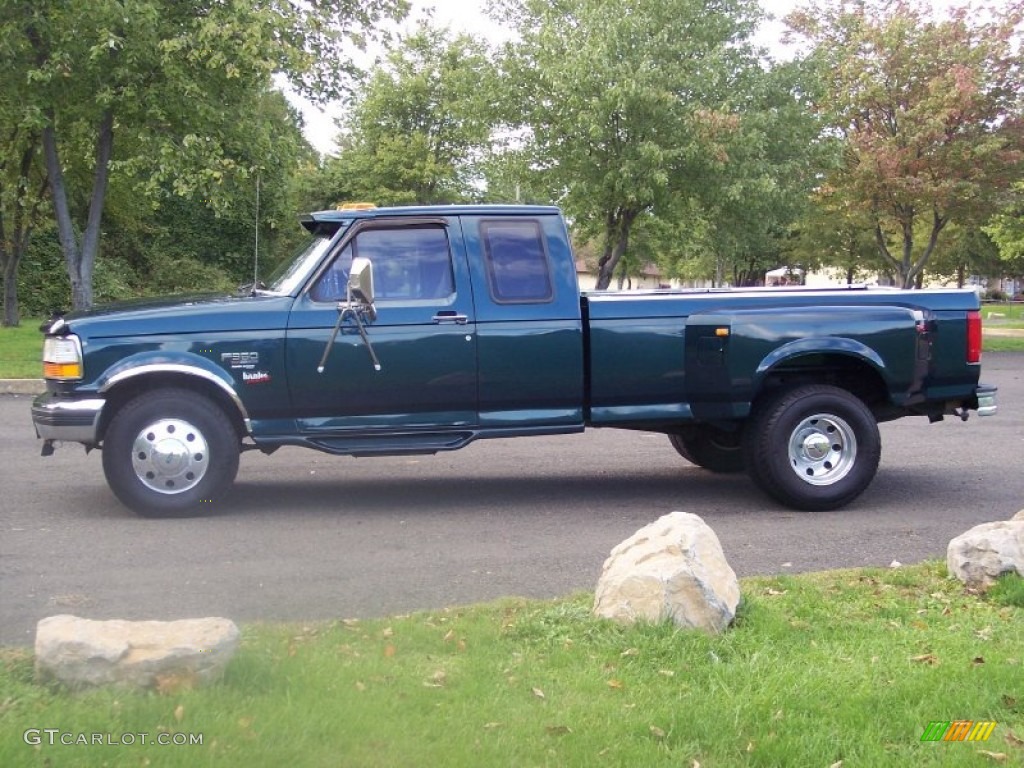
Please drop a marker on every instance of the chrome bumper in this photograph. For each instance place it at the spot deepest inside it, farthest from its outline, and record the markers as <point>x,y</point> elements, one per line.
<point>986,396</point>
<point>67,420</point>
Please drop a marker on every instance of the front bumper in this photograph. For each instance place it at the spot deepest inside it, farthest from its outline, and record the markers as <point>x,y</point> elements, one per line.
<point>57,418</point>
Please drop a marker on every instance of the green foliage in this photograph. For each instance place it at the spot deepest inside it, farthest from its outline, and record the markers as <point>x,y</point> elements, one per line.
<point>44,286</point>
<point>171,93</point>
<point>928,113</point>
<point>621,108</point>
<point>773,160</point>
<point>664,111</point>
<point>420,126</point>
<point>1007,231</point>
<point>22,177</point>
<point>965,251</point>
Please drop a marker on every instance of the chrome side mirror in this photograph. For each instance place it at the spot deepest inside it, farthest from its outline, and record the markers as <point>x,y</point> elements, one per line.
<point>358,302</point>
<point>360,282</point>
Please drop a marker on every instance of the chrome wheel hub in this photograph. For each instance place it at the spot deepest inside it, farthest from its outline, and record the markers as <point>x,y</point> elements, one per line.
<point>822,449</point>
<point>170,456</point>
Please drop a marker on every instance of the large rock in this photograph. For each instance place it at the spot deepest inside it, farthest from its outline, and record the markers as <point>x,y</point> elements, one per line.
<point>987,551</point>
<point>81,652</point>
<point>674,569</point>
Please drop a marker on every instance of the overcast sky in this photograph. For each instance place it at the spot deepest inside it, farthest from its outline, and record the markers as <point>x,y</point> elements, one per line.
<point>469,16</point>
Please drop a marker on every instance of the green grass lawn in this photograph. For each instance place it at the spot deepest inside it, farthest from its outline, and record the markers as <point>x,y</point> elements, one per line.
<point>998,316</point>
<point>1009,314</point>
<point>21,351</point>
<point>846,667</point>
<point>1003,344</point>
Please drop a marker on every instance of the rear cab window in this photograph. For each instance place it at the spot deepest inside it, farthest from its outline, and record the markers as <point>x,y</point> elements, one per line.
<point>518,270</point>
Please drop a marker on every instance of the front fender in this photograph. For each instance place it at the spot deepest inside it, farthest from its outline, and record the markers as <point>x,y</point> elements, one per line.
<point>163,362</point>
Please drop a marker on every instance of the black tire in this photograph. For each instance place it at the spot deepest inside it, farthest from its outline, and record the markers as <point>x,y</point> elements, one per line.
<point>713,449</point>
<point>170,453</point>
<point>813,448</point>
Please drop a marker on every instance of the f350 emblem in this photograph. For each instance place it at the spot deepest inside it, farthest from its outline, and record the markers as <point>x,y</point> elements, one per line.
<point>240,359</point>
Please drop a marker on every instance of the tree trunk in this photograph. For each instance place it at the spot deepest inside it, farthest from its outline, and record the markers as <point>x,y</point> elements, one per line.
<point>10,261</point>
<point>80,260</point>
<point>616,239</point>
<point>14,239</point>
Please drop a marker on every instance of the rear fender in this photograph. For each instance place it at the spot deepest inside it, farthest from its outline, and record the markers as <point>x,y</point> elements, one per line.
<point>842,362</point>
<point>828,345</point>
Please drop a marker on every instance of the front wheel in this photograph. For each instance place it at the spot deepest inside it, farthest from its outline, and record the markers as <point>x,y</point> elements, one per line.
<point>814,447</point>
<point>170,452</point>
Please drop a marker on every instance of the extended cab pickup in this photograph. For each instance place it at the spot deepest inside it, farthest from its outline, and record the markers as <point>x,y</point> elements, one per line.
<point>417,330</point>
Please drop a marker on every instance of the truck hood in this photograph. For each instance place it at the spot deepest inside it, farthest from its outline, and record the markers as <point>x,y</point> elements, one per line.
<point>199,313</point>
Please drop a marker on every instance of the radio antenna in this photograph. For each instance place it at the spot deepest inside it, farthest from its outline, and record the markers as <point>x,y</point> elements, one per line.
<point>256,250</point>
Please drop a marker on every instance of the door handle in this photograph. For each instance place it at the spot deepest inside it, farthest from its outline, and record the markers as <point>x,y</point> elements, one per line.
<point>450,316</point>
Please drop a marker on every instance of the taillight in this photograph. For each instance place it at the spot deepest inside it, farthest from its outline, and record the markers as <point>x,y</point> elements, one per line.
<point>974,336</point>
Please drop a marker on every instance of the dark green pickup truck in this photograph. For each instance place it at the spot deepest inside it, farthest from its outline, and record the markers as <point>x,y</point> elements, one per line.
<point>417,330</point>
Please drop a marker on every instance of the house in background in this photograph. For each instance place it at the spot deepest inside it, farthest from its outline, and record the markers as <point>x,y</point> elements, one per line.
<point>784,276</point>
<point>651,278</point>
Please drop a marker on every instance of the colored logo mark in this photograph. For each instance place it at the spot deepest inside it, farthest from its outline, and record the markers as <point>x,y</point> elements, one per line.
<point>958,730</point>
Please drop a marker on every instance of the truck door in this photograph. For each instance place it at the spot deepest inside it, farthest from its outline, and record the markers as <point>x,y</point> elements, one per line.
<point>424,335</point>
<point>528,321</point>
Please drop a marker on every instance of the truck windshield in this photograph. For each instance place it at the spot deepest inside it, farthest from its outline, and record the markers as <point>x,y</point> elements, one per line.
<point>293,272</point>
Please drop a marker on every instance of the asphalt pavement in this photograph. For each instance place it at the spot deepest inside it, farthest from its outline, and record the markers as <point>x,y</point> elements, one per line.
<point>306,536</point>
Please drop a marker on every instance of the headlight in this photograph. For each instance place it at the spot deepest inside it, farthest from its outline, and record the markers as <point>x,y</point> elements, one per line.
<point>62,358</point>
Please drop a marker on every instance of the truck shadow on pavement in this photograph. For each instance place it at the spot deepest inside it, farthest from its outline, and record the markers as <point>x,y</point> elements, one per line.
<point>691,490</point>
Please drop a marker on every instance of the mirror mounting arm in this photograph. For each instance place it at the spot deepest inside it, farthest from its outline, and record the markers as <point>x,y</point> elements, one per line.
<point>356,313</point>
<point>359,301</point>
<point>346,310</point>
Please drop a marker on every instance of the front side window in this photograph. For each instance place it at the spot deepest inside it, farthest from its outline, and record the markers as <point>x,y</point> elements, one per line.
<point>409,264</point>
<point>295,271</point>
<point>517,265</point>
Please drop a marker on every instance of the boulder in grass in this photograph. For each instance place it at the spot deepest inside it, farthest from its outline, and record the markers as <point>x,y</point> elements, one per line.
<point>673,569</point>
<point>984,553</point>
<point>82,653</point>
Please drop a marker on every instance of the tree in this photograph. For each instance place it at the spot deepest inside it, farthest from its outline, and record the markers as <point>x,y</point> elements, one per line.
<point>22,180</point>
<point>771,163</point>
<point>1006,230</point>
<point>22,198</point>
<point>929,114</point>
<point>966,252</point>
<point>178,76</point>
<point>837,235</point>
<point>205,239</point>
<point>421,125</point>
<point>641,109</point>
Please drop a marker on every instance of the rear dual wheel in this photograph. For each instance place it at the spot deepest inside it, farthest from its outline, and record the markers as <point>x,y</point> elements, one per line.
<point>713,449</point>
<point>813,447</point>
<point>170,452</point>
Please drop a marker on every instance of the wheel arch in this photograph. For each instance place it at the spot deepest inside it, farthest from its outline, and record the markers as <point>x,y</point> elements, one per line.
<point>129,382</point>
<point>844,363</point>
